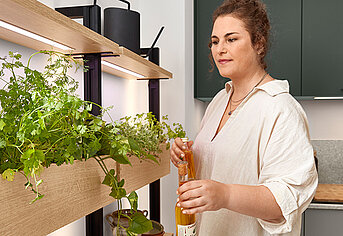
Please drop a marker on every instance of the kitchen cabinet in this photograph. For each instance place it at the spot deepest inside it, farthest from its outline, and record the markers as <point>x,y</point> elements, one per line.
<point>284,56</point>
<point>305,47</point>
<point>324,216</point>
<point>320,222</point>
<point>322,48</point>
<point>206,83</point>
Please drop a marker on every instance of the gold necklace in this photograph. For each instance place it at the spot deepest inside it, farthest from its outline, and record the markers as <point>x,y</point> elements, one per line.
<point>238,101</point>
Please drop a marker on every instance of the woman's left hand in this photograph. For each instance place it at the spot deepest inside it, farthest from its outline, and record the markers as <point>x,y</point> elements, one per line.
<point>202,195</point>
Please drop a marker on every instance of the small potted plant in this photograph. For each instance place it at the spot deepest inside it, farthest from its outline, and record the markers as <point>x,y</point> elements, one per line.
<point>43,121</point>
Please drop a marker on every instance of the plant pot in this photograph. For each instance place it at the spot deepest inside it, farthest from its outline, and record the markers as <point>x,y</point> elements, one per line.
<point>112,219</point>
<point>157,230</point>
<point>71,192</point>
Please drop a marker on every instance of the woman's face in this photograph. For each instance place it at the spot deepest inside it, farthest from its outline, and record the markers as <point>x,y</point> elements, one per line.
<point>231,48</point>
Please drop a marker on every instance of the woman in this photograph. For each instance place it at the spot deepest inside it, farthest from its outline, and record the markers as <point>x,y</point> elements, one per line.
<point>254,161</point>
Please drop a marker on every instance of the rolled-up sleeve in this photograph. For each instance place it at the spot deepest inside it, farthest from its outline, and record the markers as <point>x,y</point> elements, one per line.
<point>287,167</point>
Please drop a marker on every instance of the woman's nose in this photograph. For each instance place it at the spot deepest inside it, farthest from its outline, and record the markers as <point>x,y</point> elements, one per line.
<point>222,48</point>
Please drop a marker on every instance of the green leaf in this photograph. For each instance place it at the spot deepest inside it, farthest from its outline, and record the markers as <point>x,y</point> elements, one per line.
<point>32,160</point>
<point>133,199</point>
<point>121,183</point>
<point>40,196</point>
<point>121,159</point>
<point>2,124</point>
<point>118,193</point>
<point>134,145</point>
<point>89,107</point>
<point>152,157</point>
<point>2,143</point>
<point>139,224</point>
<point>8,174</point>
<point>39,182</point>
<point>109,178</point>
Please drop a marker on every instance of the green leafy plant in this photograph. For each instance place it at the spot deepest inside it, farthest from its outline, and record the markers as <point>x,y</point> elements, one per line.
<point>43,121</point>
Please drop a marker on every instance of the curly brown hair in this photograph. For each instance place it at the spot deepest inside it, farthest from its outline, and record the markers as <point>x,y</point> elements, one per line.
<point>254,16</point>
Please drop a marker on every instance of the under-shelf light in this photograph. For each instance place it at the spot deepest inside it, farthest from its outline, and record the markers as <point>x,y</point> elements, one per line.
<point>33,36</point>
<point>328,98</point>
<point>105,63</point>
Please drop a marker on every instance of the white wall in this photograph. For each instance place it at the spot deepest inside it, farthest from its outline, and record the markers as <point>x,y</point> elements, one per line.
<point>176,43</point>
<point>325,119</point>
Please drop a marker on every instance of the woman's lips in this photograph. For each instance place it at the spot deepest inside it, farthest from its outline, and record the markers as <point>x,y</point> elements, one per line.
<point>224,61</point>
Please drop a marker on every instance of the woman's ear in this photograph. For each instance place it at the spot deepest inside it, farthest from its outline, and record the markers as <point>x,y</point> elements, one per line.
<point>259,48</point>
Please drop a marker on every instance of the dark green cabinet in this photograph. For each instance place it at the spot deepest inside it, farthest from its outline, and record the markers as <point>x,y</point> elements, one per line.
<point>284,56</point>
<point>322,48</point>
<point>283,59</point>
<point>206,83</point>
<point>305,47</point>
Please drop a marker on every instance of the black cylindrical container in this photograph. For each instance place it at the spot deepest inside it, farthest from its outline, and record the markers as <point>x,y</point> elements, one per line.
<point>123,27</point>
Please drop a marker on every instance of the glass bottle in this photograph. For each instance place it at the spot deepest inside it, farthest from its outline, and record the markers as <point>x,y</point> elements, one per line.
<point>189,158</point>
<point>185,223</point>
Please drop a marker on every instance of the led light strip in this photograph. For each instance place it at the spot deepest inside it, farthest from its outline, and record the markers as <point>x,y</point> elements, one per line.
<point>33,36</point>
<point>327,98</point>
<point>105,63</point>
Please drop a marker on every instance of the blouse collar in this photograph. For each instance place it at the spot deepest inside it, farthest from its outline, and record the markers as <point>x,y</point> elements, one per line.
<point>272,88</point>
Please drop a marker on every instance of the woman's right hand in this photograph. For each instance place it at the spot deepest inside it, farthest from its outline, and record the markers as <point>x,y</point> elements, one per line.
<point>176,150</point>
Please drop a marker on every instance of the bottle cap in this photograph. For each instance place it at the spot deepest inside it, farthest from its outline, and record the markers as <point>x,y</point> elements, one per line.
<point>185,140</point>
<point>182,167</point>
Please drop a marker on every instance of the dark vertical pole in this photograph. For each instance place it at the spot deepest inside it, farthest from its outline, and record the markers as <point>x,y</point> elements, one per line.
<point>92,88</point>
<point>92,81</point>
<point>154,107</point>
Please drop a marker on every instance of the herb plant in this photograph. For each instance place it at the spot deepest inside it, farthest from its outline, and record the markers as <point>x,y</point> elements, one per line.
<point>43,121</point>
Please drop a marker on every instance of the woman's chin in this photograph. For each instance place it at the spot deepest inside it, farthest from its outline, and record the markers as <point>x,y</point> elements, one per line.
<point>225,74</point>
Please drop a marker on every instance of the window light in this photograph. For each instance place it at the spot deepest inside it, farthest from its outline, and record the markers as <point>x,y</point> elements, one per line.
<point>33,36</point>
<point>105,63</point>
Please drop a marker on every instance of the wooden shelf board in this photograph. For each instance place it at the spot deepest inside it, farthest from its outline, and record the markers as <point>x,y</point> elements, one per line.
<point>71,192</point>
<point>37,18</point>
<point>148,170</point>
<point>133,62</point>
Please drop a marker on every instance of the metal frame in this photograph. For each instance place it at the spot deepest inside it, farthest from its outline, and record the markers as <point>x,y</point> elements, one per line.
<point>154,108</point>
<point>91,15</point>
<point>92,88</point>
<point>92,92</point>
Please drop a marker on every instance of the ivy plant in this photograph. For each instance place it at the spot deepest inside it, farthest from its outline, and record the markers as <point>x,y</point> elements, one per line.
<point>43,121</point>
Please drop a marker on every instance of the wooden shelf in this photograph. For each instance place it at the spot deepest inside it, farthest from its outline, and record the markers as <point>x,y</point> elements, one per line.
<point>39,19</point>
<point>71,192</point>
<point>131,61</point>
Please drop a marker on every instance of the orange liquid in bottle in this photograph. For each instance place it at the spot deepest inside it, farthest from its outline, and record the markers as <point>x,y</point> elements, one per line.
<point>190,159</point>
<point>185,223</point>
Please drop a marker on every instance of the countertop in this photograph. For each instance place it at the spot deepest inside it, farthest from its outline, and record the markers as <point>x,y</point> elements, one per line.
<point>329,193</point>
<point>328,197</point>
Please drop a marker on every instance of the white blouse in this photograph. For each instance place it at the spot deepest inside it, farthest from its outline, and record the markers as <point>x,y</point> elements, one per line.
<point>264,142</point>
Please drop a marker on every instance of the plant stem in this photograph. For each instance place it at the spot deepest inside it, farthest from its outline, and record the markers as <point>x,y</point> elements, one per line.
<point>100,164</point>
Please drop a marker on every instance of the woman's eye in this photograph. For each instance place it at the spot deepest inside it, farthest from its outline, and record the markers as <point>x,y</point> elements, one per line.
<point>231,40</point>
<point>214,42</point>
